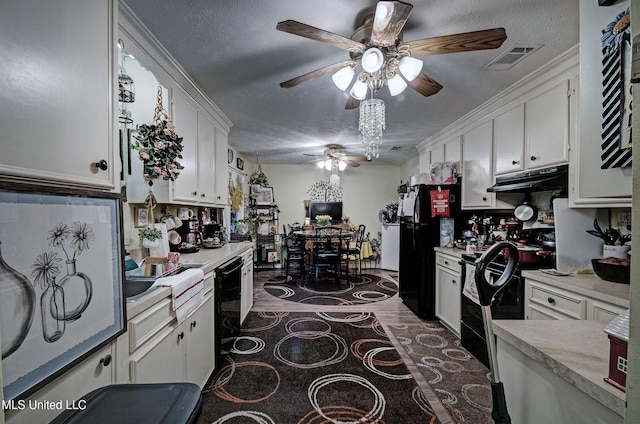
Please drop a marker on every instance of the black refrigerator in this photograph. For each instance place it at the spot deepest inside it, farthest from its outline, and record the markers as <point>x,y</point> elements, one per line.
<point>420,232</point>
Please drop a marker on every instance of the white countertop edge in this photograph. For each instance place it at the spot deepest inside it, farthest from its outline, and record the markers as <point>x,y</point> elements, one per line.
<point>558,359</point>
<point>588,284</point>
<point>213,258</point>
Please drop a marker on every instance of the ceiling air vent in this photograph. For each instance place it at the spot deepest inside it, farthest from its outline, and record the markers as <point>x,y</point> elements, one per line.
<point>396,148</point>
<point>512,56</point>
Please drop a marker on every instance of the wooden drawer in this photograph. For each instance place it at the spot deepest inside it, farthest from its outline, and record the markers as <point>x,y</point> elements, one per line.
<point>558,300</point>
<point>145,325</point>
<point>448,261</point>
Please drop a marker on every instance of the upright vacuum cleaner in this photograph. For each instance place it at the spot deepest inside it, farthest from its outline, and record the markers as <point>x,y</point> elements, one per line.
<point>487,291</point>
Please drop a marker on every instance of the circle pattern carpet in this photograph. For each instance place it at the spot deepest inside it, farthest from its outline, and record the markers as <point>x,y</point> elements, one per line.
<point>356,291</point>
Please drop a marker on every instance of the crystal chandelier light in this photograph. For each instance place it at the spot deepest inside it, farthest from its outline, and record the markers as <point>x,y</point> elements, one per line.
<point>372,123</point>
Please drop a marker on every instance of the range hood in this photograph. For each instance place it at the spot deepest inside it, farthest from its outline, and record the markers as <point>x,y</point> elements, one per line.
<point>545,179</point>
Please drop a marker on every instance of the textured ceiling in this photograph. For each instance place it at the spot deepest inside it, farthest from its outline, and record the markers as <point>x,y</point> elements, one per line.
<point>235,54</point>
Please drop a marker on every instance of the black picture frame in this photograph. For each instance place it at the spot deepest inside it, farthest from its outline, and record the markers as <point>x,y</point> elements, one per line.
<point>240,164</point>
<point>63,251</point>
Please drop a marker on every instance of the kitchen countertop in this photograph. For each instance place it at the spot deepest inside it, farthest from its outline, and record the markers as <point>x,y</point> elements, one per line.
<point>586,284</point>
<point>454,251</point>
<point>577,351</point>
<point>209,260</point>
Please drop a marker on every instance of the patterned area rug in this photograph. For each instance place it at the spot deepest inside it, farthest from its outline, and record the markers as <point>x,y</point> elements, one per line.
<point>461,381</point>
<point>358,290</point>
<point>313,368</point>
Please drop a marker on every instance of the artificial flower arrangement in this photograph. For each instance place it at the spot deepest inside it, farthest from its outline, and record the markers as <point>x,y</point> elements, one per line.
<point>150,234</point>
<point>323,220</point>
<point>389,214</point>
<point>158,147</point>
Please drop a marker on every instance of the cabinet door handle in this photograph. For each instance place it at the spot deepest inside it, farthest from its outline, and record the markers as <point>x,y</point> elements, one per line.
<point>446,262</point>
<point>484,199</point>
<point>181,336</point>
<point>195,193</point>
<point>515,162</point>
<point>454,282</point>
<point>202,195</point>
<point>193,325</point>
<point>102,164</point>
<point>551,300</point>
<point>533,158</point>
<point>105,361</point>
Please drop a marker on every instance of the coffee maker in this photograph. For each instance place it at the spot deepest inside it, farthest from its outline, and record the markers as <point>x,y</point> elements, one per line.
<point>191,236</point>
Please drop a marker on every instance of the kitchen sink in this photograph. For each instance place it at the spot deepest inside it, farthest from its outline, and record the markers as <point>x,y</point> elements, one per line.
<point>137,283</point>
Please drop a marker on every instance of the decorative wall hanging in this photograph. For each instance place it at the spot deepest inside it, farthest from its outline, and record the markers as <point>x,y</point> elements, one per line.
<point>61,279</point>
<point>616,94</point>
<point>324,191</point>
<point>159,146</point>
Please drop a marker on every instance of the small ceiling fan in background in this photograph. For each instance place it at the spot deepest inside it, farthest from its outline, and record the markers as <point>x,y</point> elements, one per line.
<point>334,156</point>
<point>383,57</point>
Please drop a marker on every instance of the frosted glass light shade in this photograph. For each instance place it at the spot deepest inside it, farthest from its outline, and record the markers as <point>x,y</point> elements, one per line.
<point>372,60</point>
<point>327,164</point>
<point>342,165</point>
<point>396,85</point>
<point>321,164</point>
<point>343,77</point>
<point>410,67</point>
<point>382,11</point>
<point>359,90</point>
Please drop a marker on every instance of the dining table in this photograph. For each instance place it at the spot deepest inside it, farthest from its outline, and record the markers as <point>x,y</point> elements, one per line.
<point>308,237</point>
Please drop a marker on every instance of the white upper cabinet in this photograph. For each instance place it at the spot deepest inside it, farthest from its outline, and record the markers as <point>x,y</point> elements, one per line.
<point>185,119</point>
<point>452,150</point>
<point>58,91</point>
<point>508,140</point>
<point>477,173</point>
<point>546,124</point>
<point>221,175</point>
<point>201,124</point>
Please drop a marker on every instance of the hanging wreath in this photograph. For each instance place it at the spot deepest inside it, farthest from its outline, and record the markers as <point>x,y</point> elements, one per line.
<point>159,146</point>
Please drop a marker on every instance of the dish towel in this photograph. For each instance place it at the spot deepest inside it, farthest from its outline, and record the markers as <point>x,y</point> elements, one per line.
<point>187,291</point>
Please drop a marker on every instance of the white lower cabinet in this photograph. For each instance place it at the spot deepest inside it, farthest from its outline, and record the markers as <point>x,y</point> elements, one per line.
<point>544,301</point>
<point>246,294</point>
<point>94,372</point>
<point>163,351</point>
<point>448,291</point>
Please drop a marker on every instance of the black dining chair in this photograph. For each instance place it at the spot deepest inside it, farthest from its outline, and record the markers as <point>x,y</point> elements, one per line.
<point>353,253</point>
<point>294,252</point>
<point>327,253</point>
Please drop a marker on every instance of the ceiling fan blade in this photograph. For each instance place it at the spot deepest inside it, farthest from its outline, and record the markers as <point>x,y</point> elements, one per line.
<point>389,20</point>
<point>352,103</point>
<point>356,158</point>
<point>353,164</point>
<point>315,74</point>
<point>463,42</point>
<point>425,85</point>
<point>317,34</point>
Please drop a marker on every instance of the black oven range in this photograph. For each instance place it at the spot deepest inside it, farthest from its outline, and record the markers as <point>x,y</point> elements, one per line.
<point>509,303</point>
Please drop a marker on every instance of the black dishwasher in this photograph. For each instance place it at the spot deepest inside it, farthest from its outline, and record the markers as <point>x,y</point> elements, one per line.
<point>228,278</point>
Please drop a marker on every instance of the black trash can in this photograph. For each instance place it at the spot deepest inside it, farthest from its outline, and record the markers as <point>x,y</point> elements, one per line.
<point>170,403</point>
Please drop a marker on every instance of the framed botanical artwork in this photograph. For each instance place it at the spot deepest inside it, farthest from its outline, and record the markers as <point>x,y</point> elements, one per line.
<point>263,195</point>
<point>240,164</point>
<point>62,285</point>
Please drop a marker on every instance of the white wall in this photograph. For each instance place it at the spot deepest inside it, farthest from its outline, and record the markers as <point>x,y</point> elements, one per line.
<point>366,190</point>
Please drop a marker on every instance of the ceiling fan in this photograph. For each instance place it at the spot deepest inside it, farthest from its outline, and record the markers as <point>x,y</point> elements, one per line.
<point>384,58</point>
<point>334,154</point>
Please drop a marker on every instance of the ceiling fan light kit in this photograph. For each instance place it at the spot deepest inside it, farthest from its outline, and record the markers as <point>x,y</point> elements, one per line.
<point>342,79</point>
<point>396,85</point>
<point>410,67</point>
<point>385,60</point>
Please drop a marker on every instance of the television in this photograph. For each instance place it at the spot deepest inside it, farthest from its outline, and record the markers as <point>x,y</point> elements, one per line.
<point>333,209</point>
